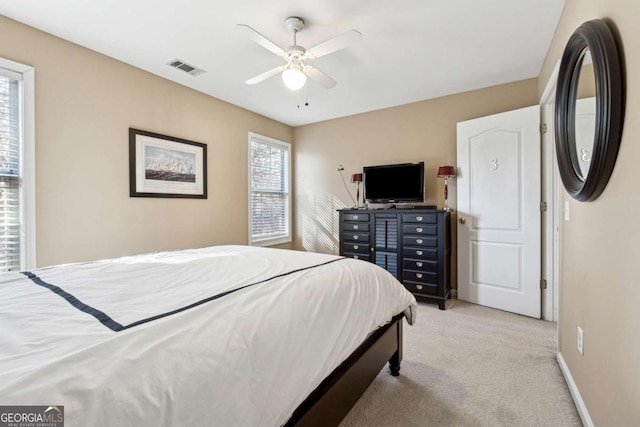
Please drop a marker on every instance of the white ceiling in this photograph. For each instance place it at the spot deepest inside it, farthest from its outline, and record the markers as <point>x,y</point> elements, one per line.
<point>411,50</point>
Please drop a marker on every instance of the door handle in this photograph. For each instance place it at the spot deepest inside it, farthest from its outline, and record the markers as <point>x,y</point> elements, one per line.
<point>462,220</point>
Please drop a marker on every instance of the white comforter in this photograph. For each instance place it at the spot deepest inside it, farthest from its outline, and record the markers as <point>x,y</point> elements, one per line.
<point>246,359</point>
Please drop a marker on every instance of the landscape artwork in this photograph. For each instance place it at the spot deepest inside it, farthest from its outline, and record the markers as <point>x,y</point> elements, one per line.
<point>169,165</point>
<point>166,166</point>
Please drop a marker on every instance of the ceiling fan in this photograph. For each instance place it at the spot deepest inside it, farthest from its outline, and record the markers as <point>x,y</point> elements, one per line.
<point>295,72</point>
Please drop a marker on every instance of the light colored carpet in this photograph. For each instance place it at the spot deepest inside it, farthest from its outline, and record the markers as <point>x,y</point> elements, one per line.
<point>470,366</point>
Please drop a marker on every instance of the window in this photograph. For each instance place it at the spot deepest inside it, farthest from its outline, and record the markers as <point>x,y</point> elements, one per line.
<point>269,184</point>
<point>17,184</point>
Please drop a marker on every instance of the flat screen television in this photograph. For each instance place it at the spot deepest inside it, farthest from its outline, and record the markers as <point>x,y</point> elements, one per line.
<point>399,183</point>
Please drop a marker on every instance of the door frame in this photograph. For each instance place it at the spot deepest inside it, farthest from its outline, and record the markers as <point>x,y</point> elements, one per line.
<point>552,195</point>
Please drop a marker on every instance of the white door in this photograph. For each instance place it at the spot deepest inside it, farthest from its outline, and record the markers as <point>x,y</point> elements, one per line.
<point>499,259</point>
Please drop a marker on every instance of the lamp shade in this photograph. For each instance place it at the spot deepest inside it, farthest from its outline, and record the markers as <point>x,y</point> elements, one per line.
<point>356,177</point>
<point>446,172</point>
<point>293,77</point>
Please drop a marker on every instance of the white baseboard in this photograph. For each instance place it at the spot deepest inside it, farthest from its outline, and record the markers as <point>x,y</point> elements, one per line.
<point>575,393</point>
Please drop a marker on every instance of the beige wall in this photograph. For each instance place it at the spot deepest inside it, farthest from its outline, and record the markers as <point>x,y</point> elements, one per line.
<point>600,285</point>
<point>85,103</point>
<point>422,131</point>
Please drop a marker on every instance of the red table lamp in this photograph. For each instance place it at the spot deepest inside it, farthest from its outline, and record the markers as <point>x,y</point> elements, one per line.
<point>446,172</point>
<point>357,178</point>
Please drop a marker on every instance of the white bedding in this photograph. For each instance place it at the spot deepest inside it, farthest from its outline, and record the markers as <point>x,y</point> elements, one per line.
<point>245,359</point>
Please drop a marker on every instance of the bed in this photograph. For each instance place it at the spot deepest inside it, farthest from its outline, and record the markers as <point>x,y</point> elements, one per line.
<point>225,336</point>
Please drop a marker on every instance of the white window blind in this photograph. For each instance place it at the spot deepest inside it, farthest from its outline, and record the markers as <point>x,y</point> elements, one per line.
<point>269,198</point>
<point>10,148</point>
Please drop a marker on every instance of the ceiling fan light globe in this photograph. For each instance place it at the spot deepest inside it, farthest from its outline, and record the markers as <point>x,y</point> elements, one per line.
<point>293,78</point>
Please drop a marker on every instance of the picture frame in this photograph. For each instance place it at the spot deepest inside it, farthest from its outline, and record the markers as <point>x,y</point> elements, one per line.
<point>166,166</point>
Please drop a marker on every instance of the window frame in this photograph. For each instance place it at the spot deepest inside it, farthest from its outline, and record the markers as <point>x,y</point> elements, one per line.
<point>27,174</point>
<point>280,144</point>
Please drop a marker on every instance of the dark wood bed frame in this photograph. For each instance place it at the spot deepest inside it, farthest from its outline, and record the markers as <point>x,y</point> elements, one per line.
<point>328,404</point>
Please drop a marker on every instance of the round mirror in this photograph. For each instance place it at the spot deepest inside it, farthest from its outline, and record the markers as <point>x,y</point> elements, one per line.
<point>589,110</point>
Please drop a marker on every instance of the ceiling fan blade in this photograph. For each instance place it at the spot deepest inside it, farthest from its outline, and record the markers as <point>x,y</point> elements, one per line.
<point>319,76</point>
<point>264,76</point>
<point>335,44</point>
<point>252,34</point>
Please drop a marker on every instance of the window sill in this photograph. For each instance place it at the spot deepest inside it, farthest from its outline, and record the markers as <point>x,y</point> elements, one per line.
<point>271,242</point>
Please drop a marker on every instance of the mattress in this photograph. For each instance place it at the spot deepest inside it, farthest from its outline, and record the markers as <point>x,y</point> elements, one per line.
<point>225,335</point>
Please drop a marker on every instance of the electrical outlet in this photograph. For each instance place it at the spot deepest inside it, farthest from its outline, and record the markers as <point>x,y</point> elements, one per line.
<point>580,340</point>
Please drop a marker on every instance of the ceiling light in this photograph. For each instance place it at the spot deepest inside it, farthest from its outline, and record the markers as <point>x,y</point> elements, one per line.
<point>293,77</point>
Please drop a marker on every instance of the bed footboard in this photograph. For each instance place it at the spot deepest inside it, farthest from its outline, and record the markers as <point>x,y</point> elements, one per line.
<point>328,404</point>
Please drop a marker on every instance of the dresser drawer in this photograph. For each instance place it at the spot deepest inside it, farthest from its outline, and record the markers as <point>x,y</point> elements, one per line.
<point>355,226</point>
<point>362,217</point>
<point>354,236</point>
<point>360,248</point>
<point>420,253</point>
<point>420,265</point>
<point>366,257</point>
<point>421,288</point>
<point>423,241</point>
<point>420,276</point>
<point>425,218</point>
<point>420,229</point>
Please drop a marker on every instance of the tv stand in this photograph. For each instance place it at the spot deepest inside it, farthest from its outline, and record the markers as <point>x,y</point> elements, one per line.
<point>412,243</point>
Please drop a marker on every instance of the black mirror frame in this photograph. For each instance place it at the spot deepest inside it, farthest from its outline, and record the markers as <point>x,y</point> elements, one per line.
<point>598,38</point>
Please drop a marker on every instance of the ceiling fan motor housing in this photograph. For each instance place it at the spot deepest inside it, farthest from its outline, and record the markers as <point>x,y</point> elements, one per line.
<point>295,52</point>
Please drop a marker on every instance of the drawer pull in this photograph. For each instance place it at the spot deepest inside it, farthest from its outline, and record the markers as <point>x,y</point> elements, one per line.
<point>419,264</point>
<point>419,241</point>
<point>419,230</point>
<point>355,257</point>
<point>355,227</point>
<point>355,217</point>
<point>419,275</point>
<point>355,247</point>
<point>355,237</point>
<point>418,218</point>
<point>419,252</point>
<point>419,286</point>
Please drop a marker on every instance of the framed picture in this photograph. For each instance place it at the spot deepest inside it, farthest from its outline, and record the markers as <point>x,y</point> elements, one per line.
<point>165,166</point>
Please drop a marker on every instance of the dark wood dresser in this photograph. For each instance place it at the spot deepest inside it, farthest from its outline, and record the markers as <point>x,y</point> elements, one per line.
<point>412,244</point>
